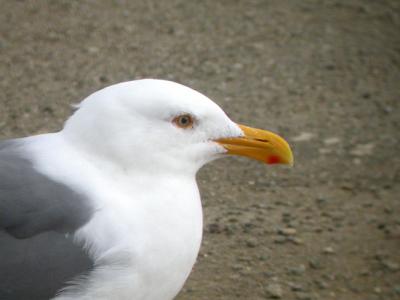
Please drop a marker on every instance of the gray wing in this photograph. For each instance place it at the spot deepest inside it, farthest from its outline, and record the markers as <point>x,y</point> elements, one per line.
<point>30,202</point>
<point>37,268</point>
<point>36,259</point>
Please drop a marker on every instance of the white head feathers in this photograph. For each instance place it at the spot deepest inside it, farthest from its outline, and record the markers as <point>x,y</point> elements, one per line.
<point>131,123</point>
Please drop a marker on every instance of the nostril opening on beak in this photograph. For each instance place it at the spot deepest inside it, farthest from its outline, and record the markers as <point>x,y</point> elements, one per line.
<point>262,140</point>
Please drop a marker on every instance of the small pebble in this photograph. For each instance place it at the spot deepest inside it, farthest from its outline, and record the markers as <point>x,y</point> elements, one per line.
<point>363,149</point>
<point>280,240</point>
<point>251,243</point>
<point>303,137</point>
<point>322,285</point>
<point>396,289</point>
<point>328,250</point>
<point>287,231</point>
<point>295,240</point>
<point>299,270</point>
<point>274,291</point>
<point>303,296</point>
<point>314,264</point>
<point>321,200</point>
<point>296,287</point>
<point>331,141</point>
<point>391,265</point>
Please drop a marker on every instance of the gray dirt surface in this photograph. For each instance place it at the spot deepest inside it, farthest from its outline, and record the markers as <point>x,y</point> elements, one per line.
<point>324,74</point>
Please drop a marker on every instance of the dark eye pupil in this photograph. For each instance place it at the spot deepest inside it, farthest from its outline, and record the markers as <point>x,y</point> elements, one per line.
<point>183,121</point>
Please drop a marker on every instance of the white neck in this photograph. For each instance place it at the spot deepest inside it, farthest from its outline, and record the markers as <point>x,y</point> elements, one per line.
<point>145,234</point>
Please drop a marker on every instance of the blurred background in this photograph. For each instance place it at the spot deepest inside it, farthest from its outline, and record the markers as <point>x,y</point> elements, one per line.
<point>323,74</point>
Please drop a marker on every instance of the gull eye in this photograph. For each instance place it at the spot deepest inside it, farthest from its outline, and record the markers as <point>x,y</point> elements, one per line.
<point>183,121</point>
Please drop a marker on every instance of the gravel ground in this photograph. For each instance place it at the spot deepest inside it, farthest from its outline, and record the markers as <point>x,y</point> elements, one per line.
<point>324,74</point>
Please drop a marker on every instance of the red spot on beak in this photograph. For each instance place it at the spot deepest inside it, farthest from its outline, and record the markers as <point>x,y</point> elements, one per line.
<point>273,159</point>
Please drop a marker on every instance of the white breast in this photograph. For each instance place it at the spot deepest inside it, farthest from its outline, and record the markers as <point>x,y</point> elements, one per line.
<point>152,241</point>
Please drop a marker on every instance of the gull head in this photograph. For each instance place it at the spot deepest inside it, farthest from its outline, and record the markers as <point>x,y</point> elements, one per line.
<point>161,126</point>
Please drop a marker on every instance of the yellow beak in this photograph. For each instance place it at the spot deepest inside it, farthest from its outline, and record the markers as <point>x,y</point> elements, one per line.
<point>259,144</point>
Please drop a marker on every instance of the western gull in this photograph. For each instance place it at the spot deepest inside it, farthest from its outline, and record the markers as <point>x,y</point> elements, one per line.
<point>108,207</point>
